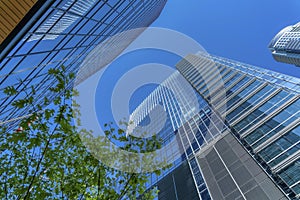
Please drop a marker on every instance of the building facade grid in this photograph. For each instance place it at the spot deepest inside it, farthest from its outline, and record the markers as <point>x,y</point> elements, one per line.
<point>285,46</point>
<point>64,34</point>
<point>262,111</point>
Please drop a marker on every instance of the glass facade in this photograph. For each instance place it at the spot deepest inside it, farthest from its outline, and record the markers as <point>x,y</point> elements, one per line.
<point>262,110</point>
<point>190,122</point>
<point>285,46</point>
<point>259,108</point>
<point>64,32</point>
<point>242,131</point>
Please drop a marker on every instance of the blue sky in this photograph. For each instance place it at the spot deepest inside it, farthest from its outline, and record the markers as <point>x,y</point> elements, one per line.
<point>237,29</point>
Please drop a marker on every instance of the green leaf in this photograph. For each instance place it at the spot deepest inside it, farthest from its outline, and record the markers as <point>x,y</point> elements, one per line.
<point>57,100</point>
<point>120,131</point>
<point>19,103</point>
<point>10,91</point>
<point>49,113</point>
<point>52,71</point>
<point>49,154</point>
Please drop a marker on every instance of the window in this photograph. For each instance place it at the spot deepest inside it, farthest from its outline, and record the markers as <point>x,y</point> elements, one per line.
<point>275,124</point>
<point>281,146</point>
<point>243,93</point>
<point>252,101</point>
<point>268,107</point>
<point>291,174</point>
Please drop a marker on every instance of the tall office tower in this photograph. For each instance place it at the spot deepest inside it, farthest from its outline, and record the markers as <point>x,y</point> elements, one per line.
<point>259,157</point>
<point>62,32</point>
<point>171,105</point>
<point>285,46</point>
<point>242,142</point>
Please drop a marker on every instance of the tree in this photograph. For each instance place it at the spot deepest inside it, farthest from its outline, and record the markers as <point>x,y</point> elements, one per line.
<point>45,159</point>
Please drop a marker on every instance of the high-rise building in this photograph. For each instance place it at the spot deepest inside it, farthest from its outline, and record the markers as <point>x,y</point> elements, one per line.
<point>242,142</point>
<point>285,46</point>
<point>51,33</point>
<point>262,114</point>
<point>174,103</point>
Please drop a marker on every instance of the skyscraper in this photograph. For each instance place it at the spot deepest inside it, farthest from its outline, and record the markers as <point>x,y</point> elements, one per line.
<point>262,113</point>
<point>285,46</point>
<point>164,112</point>
<point>63,32</point>
<point>243,143</point>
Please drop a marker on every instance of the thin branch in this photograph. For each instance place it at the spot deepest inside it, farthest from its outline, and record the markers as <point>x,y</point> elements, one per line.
<point>99,182</point>
<point>60,115</point>
<point>39,162</point>
<point>124,191</point>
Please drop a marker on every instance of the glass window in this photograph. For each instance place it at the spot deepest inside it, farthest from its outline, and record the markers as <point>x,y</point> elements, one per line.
<point>227,75</point>
<point>209,77</point>
<point>240,84</point>
<point>233,89</point>
<point>234,78</point>
<point>268,107</point>
<point>227,84</point>
<point>243,93</point>
<point>210,84</point>
<point>219,81</point>
<point>252,101</point>
<point>205,195</point>
<point>291,174</point>
<point>275,124</point>
<point>198,79</point>
<point>285,155</point>
<point>281,145</point>
<point>296,188</point>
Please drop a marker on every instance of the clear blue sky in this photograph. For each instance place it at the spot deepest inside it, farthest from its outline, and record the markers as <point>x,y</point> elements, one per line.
<point>236,29</point>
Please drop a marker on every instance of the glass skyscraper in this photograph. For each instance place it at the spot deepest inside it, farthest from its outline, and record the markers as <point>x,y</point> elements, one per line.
<point>285,46</point>
<point>63,32</point>
<point>168,111</point>
<point>242,142</point>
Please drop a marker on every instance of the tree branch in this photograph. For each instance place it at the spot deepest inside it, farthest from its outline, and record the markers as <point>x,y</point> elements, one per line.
<point>124,191</point>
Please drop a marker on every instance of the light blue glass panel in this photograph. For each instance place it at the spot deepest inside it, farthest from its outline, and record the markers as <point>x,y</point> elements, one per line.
<point>285,155</point>
<point>227,84</point>
<point>227,75</point>
<point>296,188</point>
<point>250,103</point>
<point>202,85</point>
<point>210,83</point>
<point>291,174</point>
<point>275,124</point>
<point>243,93</point>
<point>234,78</point>
<point>240,84</point>
<point>280,145</point>
<point>219,83</point>
<point>258,114</point>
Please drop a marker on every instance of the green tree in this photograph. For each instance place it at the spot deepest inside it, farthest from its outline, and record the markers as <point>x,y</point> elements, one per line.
<point>45,159</point>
